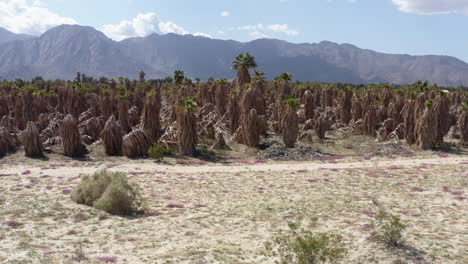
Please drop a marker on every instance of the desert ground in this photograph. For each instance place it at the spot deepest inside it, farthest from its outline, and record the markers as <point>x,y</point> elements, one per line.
<point>229,210</point>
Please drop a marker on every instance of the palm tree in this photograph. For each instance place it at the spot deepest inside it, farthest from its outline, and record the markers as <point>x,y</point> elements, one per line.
<point>178,76</point>
<point>284,77</point>
<point>242,64</point>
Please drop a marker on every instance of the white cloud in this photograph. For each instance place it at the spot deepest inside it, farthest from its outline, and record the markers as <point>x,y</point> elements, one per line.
<point>170,27</point>
<point>258,35</point>
<point>225,13</point>
<point>142,25</point>
<point>29,17</point>
<point>283,28</point>
<point>432,6</point>
<point>200,34</point>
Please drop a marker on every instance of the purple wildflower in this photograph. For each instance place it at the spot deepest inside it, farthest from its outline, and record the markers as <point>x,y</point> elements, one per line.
<point>198,205</point>
<point>174,205</point>
<point>13,224</point>
<point>312,180</point>
<point>107,259</point>
<point>26,172</point>
<point>66,191</point>
<point>417,189</point>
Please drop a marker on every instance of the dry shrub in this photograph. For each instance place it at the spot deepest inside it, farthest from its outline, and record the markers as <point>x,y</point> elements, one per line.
<point>7,143</point>
<point>150,116</point>
<point>124,121</point>
<point>72,146</point>
<point>308,100</point>
<point>290,127</point>
<point>110,192</point>
<point>136,144</point>
<point>427,128</point>
<point>112,137</point>
<point>187,129</point>
<point>31,141</point>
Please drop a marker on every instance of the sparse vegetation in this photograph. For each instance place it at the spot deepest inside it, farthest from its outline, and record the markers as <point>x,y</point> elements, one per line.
<point>158,152</point>
<point>390,229</point>
<point>301,246</point>
<point>110,192</point>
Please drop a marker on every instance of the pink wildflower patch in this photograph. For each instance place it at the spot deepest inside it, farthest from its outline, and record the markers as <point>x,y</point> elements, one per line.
<point>66,191</point>
<point>174,205</point>
<point>417,189</point>
<point>107,259</point>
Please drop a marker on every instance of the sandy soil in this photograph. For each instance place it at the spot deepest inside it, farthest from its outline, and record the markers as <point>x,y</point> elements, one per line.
<point>228,211</point>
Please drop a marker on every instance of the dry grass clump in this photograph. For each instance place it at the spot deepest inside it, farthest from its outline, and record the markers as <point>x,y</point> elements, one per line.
<point>31,141</point>
<point>110,192</point>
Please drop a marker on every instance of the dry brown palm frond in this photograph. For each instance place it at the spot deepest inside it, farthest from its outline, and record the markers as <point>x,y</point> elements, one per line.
<point>31,141</point>
<point>72,146</point>
<point>112,137</point>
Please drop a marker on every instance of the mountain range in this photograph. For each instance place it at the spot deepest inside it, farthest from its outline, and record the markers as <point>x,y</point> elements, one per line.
<point>64,50</point>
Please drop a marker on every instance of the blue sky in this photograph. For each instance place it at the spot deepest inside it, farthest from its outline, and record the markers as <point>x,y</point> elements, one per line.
<point>413,27</point>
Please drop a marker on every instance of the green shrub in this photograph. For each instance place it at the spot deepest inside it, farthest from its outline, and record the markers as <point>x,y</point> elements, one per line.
<point>158,151</point>
<point>300,246</point>
<point>110,192</point>
<point>390,229</point>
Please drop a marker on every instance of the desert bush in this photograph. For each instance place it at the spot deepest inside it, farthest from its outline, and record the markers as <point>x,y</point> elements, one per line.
<point>158,151</point>
<point>390,229</point>
<point>110,192</point>
<point>300,246</point>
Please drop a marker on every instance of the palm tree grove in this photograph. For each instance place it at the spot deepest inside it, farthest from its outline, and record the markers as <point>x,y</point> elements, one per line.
<point>142,142</point>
